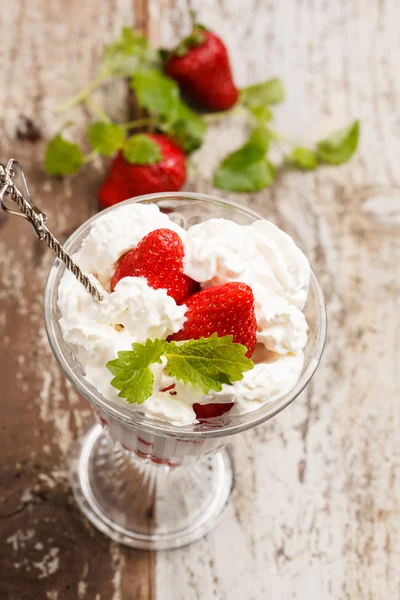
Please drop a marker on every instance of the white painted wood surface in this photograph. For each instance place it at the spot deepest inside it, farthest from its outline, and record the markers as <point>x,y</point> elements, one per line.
<point>316,506</point>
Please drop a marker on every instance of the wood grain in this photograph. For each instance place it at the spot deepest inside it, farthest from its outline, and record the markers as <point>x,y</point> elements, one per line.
<point>47,548</point>
<point>316,506</point>
<point>315,511</point>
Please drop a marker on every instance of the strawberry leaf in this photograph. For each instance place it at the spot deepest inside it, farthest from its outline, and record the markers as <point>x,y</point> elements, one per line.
<point>206,363</point>
<point>196,38</point>
<point>132,375</point>
<point>267,92</point>
<point>156,92</point>
<point>140,149</point>
<point>247,169</point>
<point>303,158</point>
<point>339,147</point>
<point>127,53</point>
<point>62,157</point>
<point>106,138</point>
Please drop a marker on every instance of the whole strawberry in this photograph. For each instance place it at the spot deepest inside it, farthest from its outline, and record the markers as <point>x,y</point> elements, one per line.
<point>227,309</point>
<point>200,65</point>
<point>159,258</point>
<point>126,180</point>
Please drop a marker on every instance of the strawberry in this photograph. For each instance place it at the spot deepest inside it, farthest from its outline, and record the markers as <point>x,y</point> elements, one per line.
<point>159,258</point>
<point>200,65</point>
<point>227,309</point>
<point>126,180</point>
<point>211,410</point>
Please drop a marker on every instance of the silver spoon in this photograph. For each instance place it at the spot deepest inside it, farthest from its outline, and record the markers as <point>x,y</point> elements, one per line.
<point>37,219</point>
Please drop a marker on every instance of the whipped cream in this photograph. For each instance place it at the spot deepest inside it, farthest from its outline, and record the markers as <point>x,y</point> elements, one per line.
<point>216,251</point>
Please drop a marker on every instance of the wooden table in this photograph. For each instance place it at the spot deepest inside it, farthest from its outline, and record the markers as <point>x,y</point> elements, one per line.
<point>315,512</point>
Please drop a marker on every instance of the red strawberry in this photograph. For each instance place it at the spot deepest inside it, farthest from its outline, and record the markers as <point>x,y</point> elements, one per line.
<point>125,180</point>
<point>227,309</point>
<point>210,411</point>
<point>200,64</point>
<point>159,258</point>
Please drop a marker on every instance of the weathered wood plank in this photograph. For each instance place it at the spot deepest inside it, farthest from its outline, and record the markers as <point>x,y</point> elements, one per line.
<point>47,548</point>
<point>315,510</point>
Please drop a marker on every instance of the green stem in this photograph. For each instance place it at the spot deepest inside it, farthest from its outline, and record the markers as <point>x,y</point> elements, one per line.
<point>211,117</point>
<point>281,138</point>
<point>97,110</point>
<point>83,94</point>
<point>90,156</point>
<point>136,124</point>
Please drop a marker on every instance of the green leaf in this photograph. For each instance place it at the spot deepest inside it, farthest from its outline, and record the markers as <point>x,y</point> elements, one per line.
<point>207,363</point>
<point>262,113</point>
<point>132,375</point>
<point>247,169</point>
<point>140,149</point>
<point>187,129</point>
<point>196,38</point>
<point>267,92</point>
<point>339,147</point>
<point>156,92</point>
<point>127,54</point>
<point>106,138</point>
<point>62,157</point>
<point>303,158</point>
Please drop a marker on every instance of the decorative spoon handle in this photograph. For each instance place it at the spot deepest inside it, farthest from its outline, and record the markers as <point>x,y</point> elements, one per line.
<point>37,219</point>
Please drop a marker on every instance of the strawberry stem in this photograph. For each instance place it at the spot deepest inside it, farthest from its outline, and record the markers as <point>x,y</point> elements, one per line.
<point>83,94</point>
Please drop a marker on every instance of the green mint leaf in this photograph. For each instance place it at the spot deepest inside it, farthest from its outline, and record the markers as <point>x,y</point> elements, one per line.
<point>156,92</point>
<point>132,375</point>
<point>127,54</point>
<point>187,129</point>
<point>303,158</point>
<point>62,157</point>
<point>207,363</point>
<point>262,113</point>
<point>140,149</point>
<point>339,147</point>
<point>267,92</point>
<point>106,138</point>
<point>247,169</point>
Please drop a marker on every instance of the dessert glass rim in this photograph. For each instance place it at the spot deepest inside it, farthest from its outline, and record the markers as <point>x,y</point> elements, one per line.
<point>237,423</point>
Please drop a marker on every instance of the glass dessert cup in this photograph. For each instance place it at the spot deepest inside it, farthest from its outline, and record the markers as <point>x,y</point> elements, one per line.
<point>142,481</point>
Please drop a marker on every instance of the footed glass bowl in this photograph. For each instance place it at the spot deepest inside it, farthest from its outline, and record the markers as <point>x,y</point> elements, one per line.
<point>142,481</point>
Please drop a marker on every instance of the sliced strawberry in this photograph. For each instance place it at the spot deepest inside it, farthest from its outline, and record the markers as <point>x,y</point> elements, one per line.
<point>159,258</point>
<point>210,411</point>
<point>227,309</point>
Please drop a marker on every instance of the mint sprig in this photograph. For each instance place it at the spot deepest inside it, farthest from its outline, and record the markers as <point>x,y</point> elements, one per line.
<point>246,169</point>
<point>206,363</point>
